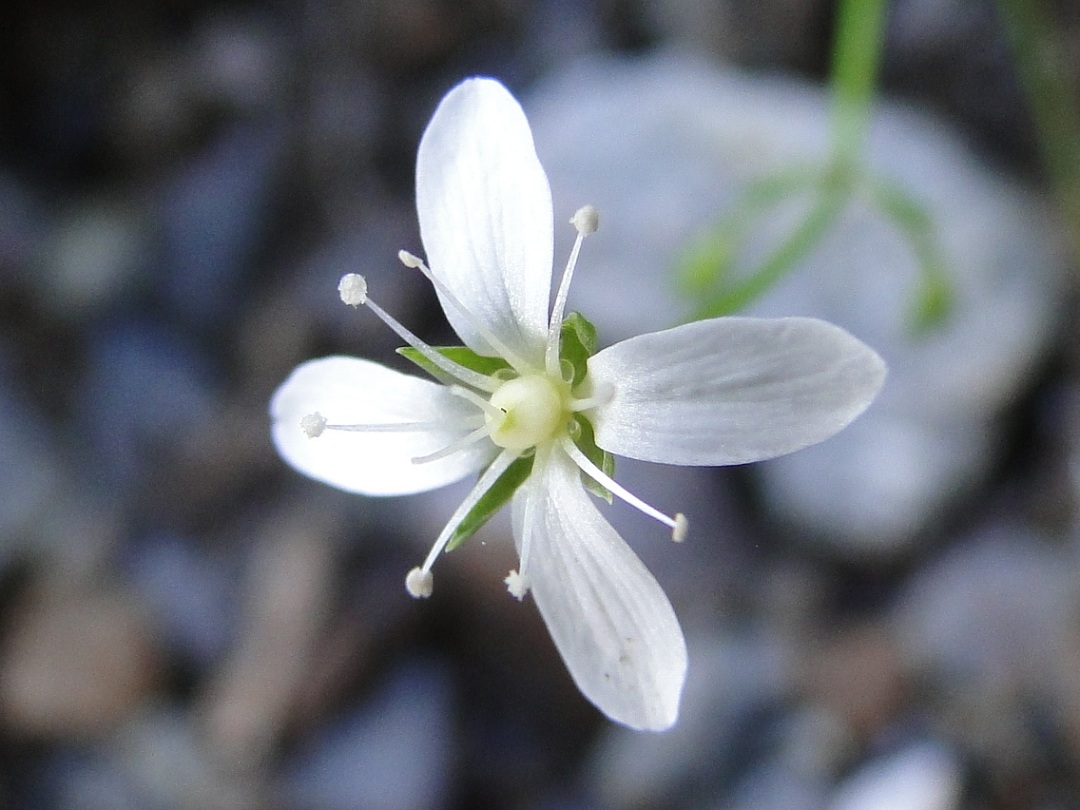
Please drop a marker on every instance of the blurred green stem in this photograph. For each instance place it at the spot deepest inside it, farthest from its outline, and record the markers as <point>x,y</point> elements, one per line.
<point>1044,69</point>
<point>860,37</point>
<point>801,241</point>
<point>708,267</point>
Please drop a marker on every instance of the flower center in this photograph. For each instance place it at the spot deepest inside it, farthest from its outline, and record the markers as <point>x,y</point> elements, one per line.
<point>533,409</point>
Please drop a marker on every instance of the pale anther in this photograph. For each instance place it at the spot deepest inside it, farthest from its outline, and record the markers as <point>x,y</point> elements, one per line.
<point>419,583</point>
<point>353,289</point>
<point>313,424</point>
<point>409,260</point>
<point>682,526</point>
<point>586,219</point>
<point>517,584</point>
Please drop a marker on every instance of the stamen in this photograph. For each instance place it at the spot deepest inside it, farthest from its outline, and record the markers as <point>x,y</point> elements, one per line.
<point>419,583</point>
<point>314,424</point>
<point>422,576</point>
<point>353,289</point>
<point>489,410</point>
<point>682,526</point>
<point>679,524</point>
<point>517,584</point>
<point>504,351</point>
<point>601,396</point>
<point>586,220</point>
<point>458,444</point>
<point>518,581</point>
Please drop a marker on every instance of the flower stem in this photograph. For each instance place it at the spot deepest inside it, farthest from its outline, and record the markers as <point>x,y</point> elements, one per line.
<point>1043,64</point>
<point>860,36</point>
<point>857,50</point>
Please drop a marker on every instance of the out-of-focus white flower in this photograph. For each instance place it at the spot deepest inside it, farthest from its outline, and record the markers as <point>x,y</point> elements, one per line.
<point>528,405</point>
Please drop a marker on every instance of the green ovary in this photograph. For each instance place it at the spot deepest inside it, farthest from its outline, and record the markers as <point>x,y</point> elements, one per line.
<point>533,409</point>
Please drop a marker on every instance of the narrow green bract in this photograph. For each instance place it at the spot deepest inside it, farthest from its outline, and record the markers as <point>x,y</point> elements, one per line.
<point>586,442</point>
<point>461,355</point>
<point>493,500</point>
<point>577,344</point>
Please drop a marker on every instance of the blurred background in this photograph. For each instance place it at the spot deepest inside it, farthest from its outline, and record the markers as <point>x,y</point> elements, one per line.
<point>888,620</point>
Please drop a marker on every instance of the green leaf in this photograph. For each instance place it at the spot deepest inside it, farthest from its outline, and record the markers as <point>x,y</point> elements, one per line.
<point>493,500</point>
<point>585,439</point>
<point>577,344</point>
<point>462,355</point>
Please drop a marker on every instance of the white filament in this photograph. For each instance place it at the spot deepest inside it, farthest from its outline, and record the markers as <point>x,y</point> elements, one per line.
<point>507,354</point>
<point>349,290</point>
<point>679,524</point>
<point>481,432</point>
<point>489,477</point>
<point>551,357</point>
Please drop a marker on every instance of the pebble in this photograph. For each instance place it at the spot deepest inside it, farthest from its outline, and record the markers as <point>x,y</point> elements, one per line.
<point>214,214</point>
<point>144,388</point>
<point>990,625</point>
<point>249,698</point>
<point>394,752</point>
<point>95,254</point>
<point>920,776</point>
<point>76,663</point>
<point>33,475</point>
<point>190,594</point>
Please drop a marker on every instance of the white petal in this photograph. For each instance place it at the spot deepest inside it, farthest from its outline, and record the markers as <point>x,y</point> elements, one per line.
<point>347,390</point>
<point>731,390</point>
<point>609,618</point>
<point>485,215</point>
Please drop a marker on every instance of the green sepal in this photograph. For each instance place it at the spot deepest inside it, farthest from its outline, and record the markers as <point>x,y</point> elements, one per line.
<point>585,439</point>
<point>577,344</point>
<point>493,500</point>
<point>462,355</point>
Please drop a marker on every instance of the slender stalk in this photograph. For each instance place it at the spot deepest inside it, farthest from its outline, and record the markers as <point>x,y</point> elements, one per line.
<point>860,37</point>
<point>857,50</point>
<point>783,258</point>
<point>1043,65</point>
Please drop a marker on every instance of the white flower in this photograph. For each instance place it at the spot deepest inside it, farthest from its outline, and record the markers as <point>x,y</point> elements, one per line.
<point>526,407</point>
